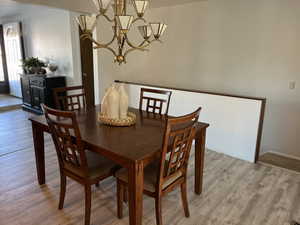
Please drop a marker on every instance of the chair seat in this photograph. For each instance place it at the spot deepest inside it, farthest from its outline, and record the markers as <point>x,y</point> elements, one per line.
<point>98,166</point>
<point>150,177</point>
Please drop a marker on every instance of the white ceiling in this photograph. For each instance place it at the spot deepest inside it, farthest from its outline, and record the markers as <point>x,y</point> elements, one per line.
<point>73,5</point>
<point>15,7</point>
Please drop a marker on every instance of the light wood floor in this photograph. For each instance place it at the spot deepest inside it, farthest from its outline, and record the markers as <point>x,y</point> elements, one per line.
<point>235,192</point>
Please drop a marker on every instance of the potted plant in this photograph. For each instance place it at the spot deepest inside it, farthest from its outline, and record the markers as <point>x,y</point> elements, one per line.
<point>33,65</point>
<point>52,67</point>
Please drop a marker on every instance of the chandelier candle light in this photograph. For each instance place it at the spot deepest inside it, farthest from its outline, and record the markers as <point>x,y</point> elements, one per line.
<point>121,25</point>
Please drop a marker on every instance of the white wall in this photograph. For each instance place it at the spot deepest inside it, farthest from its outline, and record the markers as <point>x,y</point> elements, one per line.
<point>235,46</point>
<point>236,136</point>
<point>52,34</point>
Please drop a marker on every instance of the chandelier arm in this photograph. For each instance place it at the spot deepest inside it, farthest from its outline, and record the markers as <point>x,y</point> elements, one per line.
<point>89,36</point>
<point>112,40</point>
<point>139,18</point>
<point>148,42</point>
<point>133,46</point>
<point>133,49</point>
<point>143,42</point>
<point>107,18</point>
<point>105,47</point>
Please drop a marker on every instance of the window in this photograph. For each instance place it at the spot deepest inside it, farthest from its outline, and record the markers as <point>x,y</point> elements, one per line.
<point>1,68</point>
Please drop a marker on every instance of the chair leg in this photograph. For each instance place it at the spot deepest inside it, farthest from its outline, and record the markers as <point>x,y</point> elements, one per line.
<point>120,198</point>
<point>88,201</point>
<point>63,182</point>
<point>158,210</point>
<point>184,199</point>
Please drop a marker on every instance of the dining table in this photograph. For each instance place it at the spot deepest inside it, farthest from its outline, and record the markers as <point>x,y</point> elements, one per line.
<point>132,147</point>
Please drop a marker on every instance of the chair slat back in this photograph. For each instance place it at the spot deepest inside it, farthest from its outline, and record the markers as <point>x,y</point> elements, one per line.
<point>178,139</point>
<point>70,98</point>
<point>67,139</point>
<point>155,104</point>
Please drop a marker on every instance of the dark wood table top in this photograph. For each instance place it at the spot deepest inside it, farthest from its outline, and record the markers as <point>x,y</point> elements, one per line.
<point>133,143</point>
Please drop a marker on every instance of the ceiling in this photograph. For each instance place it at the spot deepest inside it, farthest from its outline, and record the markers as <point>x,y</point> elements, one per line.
<point>9,8</point>
<point>73,5</point>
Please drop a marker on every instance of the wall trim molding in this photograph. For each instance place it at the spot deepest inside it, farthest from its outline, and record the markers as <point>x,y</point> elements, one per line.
<point>194,90</point>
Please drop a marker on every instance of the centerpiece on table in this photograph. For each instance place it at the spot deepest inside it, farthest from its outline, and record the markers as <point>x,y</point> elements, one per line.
<point>33,65</point>
<point>114,107</point>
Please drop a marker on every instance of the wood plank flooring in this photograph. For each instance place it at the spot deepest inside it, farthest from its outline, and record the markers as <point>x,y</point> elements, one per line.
<point>15,131</point>
<point>235,192</point>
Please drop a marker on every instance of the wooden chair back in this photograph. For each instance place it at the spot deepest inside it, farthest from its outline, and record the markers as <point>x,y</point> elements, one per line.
<point>70,98</point>
<point>155,104</point>
<point>67,139</point>
<point>178,139</point>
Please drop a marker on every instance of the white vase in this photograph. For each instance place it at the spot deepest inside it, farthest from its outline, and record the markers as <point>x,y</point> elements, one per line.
<point>113,106</point>
<point>124,102</point>
<point>104,102</point>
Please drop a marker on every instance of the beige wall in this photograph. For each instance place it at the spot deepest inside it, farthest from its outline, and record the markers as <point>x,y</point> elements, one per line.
<point>234,46</point>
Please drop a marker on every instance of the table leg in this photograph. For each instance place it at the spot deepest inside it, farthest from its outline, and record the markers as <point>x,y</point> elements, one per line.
<point>38,141</point>
<point>135,189</point>
<point>199,160</point>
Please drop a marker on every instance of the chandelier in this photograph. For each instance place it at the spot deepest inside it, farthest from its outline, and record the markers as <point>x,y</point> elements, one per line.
<point>120,45</point>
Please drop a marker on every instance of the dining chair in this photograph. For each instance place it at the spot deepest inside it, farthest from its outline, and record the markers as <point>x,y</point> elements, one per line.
<point>70,98</point>
<point>164,175</point>
<point>155,104</point>
<point>75,161</point>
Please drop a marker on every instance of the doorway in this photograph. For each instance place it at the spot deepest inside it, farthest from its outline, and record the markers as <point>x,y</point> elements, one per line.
<point>87,67</point>
<point>14,56</point>
<point>11,54</point>
<point>4,87</point>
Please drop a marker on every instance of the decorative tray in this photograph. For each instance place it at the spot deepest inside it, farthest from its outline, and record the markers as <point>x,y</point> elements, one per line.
<point>129,121</point>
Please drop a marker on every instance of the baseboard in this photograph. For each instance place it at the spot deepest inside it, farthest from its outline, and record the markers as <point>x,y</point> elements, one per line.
<point>15,96</point>
<point>282,154</point>
<point>9,108</point>
<point>8,94</point>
